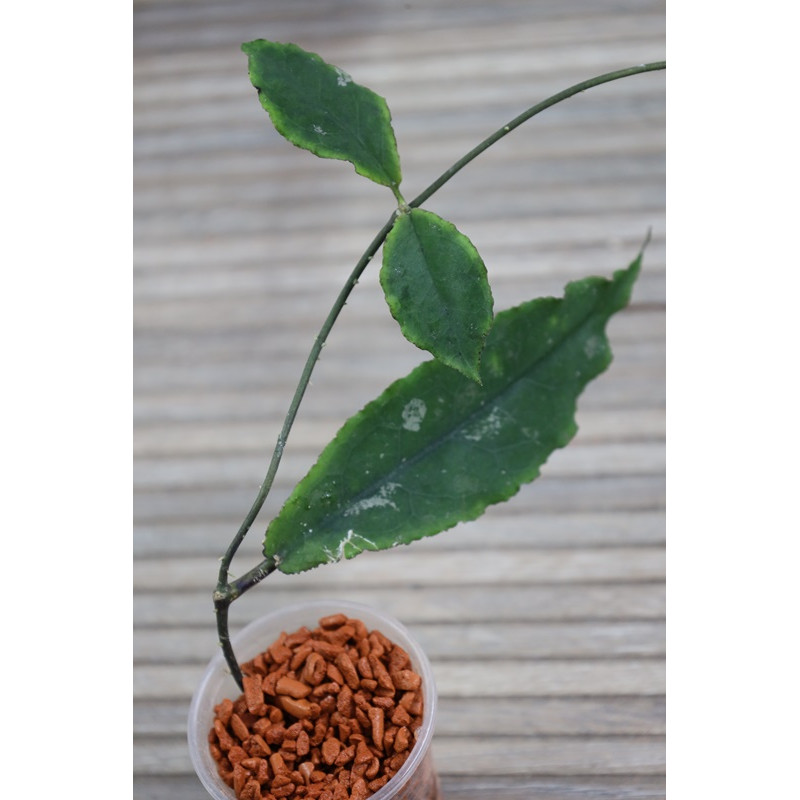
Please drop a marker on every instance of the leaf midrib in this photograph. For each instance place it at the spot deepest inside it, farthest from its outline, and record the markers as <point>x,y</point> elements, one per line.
<point>370,490</point>
<point>437,280</point>
<point>356,134</point>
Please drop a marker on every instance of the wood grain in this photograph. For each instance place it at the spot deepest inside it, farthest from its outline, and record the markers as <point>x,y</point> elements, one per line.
<point>544,620</point>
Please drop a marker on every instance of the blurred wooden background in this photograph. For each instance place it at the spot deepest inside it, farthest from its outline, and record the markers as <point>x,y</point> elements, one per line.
<point>545,619</point>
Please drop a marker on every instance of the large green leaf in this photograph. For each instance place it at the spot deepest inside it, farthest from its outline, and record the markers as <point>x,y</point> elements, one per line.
<point>436,448</point>
<point>320,108</point>
<point>436,287</point>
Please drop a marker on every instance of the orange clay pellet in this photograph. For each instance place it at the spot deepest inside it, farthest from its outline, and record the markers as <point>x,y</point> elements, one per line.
<point>253,693</point>
<point>292,687</point>
<point>406,679</point>
<point>376,718</point>
<point>333,621</point>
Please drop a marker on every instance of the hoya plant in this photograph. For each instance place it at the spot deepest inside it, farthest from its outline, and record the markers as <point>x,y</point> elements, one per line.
<point>466,428</point>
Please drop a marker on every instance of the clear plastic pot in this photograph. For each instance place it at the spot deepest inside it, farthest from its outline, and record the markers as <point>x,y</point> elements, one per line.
<point>416,779</point>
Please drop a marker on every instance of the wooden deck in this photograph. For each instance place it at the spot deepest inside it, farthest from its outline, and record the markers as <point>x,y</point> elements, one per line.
<point>544,620</point>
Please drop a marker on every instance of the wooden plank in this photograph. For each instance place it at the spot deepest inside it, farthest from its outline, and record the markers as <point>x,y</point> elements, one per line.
<point>228,176</point>
<point>493,75</point>
<point>550,677</point>
<point>158,224</point>
<point>614,124</point>
<point>574,26</point>
<point>552,716</point>
<point>231,437</point>
<point>497,787</point>
<point>539,716</point>
<point>493,755</point>
<point>631,329</point>
<point>495,678</point>
<point>171,103</point>
<point>370,370</point>
<point>178,320</point>
<point>581,639</point>
<point>238,367</point>
<point>168,27</point>
<point>411,605</point>
<point>546,495</point>
<point>515,274</point>
<point>510,267</point>
<point>222,403</point>
<point>345,245</point>
<point>551,787</point>
<point>549,756</point>
<point>628,528</point>
<point>643,358</point>
<point>584,459</point>
<point>638,181</point>
<point>512,566</point>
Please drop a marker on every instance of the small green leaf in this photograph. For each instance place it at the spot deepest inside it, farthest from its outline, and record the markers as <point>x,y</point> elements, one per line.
<point>320,108</point>
<point>436,287</point>
<point>436,448</point>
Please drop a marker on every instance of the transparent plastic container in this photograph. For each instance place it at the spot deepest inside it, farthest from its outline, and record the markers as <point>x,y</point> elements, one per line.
<point>416,779</point>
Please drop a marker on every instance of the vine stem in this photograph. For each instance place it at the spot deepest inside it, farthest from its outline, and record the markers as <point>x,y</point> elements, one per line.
<point>525,116</point>
<point>226,590</point>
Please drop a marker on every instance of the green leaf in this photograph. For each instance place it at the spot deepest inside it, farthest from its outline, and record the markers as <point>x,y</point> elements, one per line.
<point>437,289</point>
<point>320,108</point>
<point>436,448</point>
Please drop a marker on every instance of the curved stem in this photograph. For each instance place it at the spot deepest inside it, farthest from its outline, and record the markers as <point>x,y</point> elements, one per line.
<point>223,597</point>
<point>525,116</point>
<point>221,606</point>
<point>226,592</point>
<point>305,379</point>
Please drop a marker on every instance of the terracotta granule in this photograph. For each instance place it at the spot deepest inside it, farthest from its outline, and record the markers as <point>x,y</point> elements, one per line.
<point>326,714</point>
